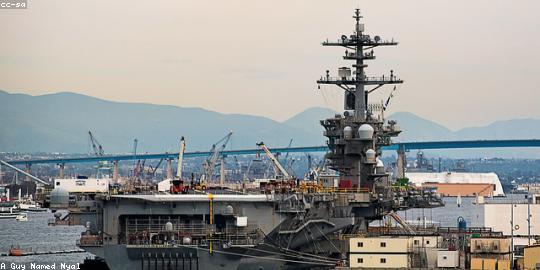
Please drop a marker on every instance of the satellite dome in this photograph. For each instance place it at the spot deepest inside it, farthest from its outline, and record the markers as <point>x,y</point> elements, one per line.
<point>347,133</point>
<point>365,132</point>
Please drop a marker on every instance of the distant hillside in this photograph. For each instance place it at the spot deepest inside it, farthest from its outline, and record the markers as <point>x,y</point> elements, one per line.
<point>416,128</point>
<point>308,121</point>
<point>60,122</point>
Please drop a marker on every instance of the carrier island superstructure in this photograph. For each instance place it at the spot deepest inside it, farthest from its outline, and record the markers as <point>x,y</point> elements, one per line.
<point>287,224</point>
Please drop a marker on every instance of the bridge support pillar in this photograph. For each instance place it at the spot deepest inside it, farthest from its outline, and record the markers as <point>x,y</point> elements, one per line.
<point>169,168</point>
<point>27,170</point>
<point>401,162</point>
<point>61,167</point>
<point>116,173</point>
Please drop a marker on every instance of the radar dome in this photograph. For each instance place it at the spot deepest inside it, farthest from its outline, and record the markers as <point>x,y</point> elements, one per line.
<point>365,132</point>
<point>379,169</point>
<point>59,198</point>
<point>230,209</point>
<point>347,133</point>
<point>168,226</point>
<point>370,156</point>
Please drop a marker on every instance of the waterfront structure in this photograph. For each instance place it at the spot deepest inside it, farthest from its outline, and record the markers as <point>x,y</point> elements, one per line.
<point>460,183</point>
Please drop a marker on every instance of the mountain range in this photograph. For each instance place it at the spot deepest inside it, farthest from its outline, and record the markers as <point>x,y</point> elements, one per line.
<point>60,123</point>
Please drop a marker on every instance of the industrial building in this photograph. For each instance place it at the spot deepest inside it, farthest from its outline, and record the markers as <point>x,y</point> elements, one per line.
<point>380,252</point>
<point>418,251</point>
<point>499,215</point>
<point>459,183</point>
<point>465,189</point>
<point>83,184</point>
<point>491,253</point>
<point>531,257</point>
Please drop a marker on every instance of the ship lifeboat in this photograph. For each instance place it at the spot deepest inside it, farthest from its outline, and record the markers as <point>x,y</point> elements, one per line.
<point>15,251</point>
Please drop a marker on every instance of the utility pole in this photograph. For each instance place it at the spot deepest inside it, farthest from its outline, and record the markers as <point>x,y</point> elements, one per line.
<point>529,214</point>
<point>512,230</point>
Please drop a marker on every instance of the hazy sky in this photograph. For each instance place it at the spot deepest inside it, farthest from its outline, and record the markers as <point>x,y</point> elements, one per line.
<point>464,62</point>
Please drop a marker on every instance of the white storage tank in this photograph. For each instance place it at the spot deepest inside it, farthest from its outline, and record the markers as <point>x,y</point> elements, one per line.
<point>370,156</point>
<point>365,132</point>
<point>347,133</point>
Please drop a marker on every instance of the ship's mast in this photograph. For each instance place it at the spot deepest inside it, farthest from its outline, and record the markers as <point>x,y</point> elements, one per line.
<point>353,137</point>
<point>355,85</point>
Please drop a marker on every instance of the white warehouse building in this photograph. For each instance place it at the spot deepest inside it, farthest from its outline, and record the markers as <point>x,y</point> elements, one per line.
<point>419,178</point>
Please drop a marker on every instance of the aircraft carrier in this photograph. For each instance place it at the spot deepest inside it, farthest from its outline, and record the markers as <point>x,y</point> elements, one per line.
<point>284,224</point>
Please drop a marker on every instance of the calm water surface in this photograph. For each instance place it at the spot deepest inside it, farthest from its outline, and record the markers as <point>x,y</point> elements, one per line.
<point>36,235</point>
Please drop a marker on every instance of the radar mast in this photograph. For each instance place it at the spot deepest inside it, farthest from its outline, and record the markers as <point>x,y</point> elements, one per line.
<point>355,138</point>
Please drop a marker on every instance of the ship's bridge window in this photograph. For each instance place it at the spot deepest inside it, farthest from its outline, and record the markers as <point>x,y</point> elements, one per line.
<point>416,242</point>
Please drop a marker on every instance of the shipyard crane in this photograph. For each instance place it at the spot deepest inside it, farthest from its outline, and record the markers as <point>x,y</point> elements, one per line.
<point>156,167</point>
<point>274,160</point>
<point>98,151</point>
<point>211,161</point>
<point>287,154</point>
<point>181,157</point>
<point>177,185</point>
<point>96,146</point>
<point>135,143</point>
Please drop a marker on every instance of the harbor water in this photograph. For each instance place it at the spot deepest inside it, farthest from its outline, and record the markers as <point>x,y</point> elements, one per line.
<point>35,235</point>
